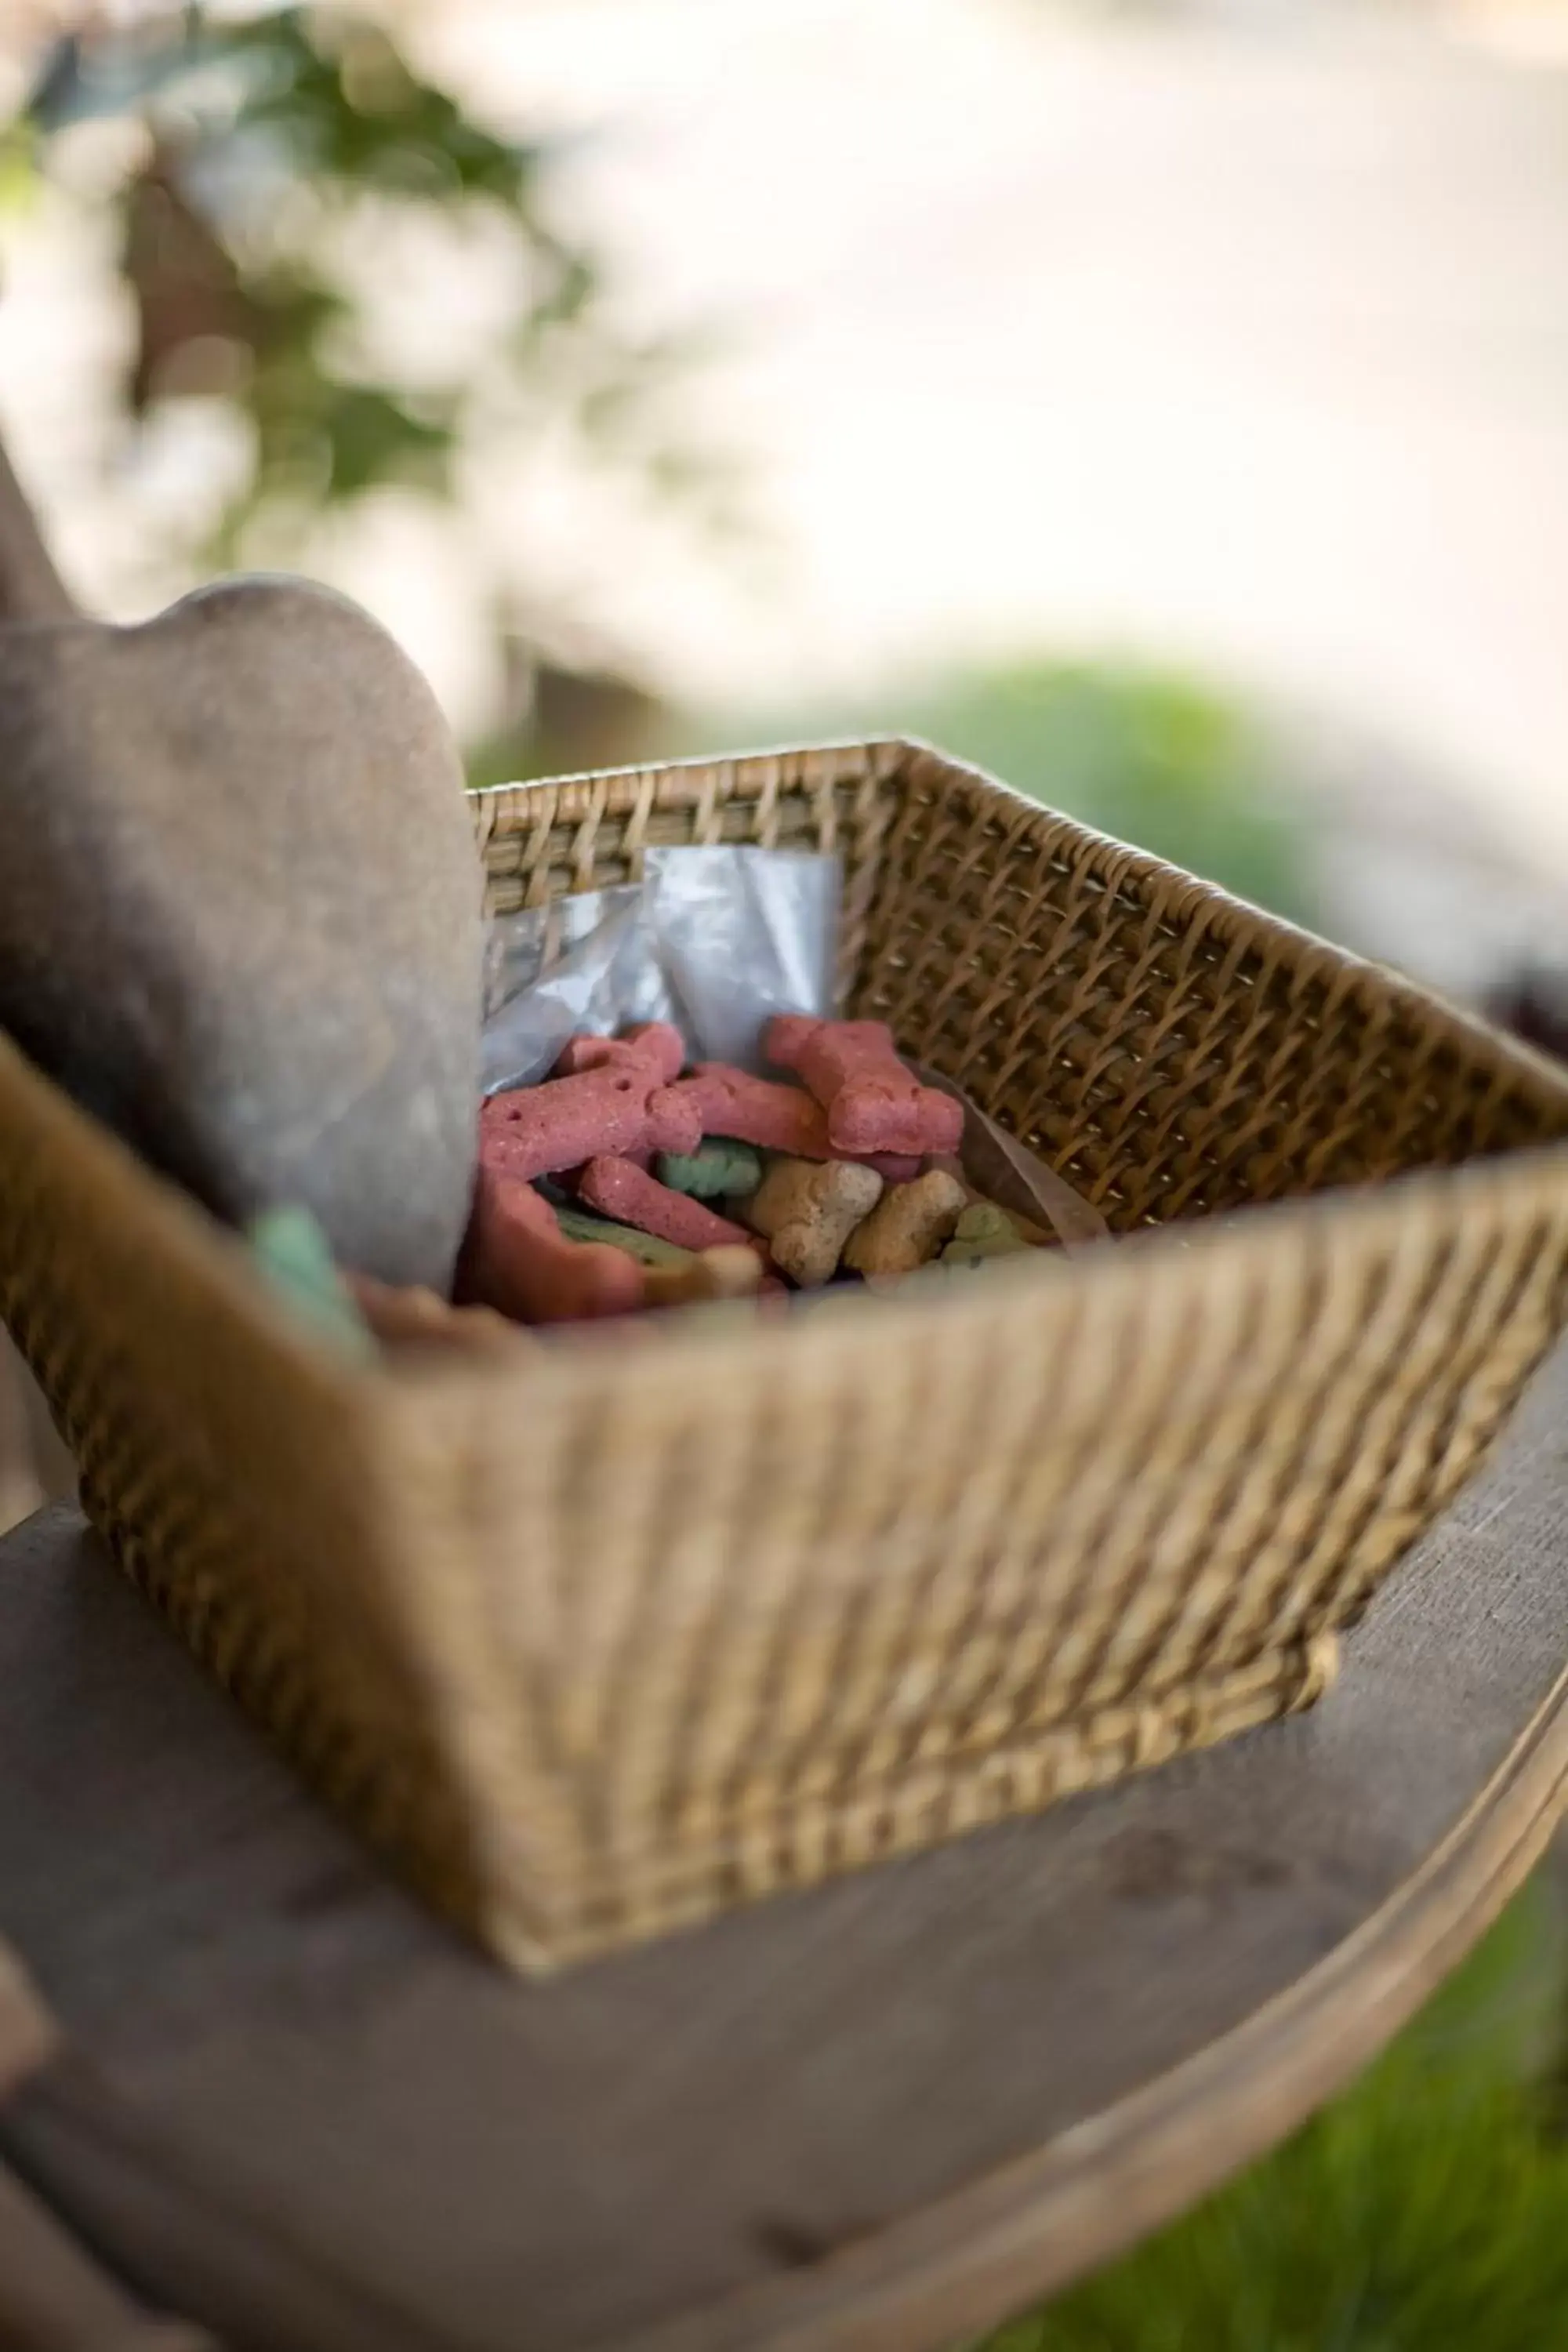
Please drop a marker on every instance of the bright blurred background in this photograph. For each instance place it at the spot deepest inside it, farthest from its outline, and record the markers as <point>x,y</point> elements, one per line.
<point>1166,405</point>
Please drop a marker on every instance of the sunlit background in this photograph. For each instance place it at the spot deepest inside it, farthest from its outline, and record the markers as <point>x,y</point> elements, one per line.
<point>1167,405</point>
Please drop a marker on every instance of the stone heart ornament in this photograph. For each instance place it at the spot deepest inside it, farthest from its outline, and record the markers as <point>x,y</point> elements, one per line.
<point>240,900</point>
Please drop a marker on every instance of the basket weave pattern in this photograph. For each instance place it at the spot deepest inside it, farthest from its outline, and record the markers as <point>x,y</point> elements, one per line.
<point>654,1621</point>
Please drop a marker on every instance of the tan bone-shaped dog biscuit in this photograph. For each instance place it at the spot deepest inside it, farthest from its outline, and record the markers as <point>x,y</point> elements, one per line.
<point>805,1209</point>
<point>733,1270</point>
<point>907,1227</point>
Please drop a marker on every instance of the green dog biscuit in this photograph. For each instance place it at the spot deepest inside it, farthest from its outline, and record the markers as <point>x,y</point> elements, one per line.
<point>294,1258</point>
<point>717,1170</point>
<point>577,1225</point>
<point>983,1231</point>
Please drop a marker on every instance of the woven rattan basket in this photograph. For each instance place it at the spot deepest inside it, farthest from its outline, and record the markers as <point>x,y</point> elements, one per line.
<point>609,1640</point>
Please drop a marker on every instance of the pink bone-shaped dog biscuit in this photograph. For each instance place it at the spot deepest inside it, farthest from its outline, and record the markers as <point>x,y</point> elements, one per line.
<point>648,1041</point>
<point>651,1044</point>
<point>774,1118</point>
<point>892,1167</point>
<point>873,1103</point>
<point>619,1104</point>
<point>516,1258</point>
<point>754,1110</point>
<point>618,1189</point>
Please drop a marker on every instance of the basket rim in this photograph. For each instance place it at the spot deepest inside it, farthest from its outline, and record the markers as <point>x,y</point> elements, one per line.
<point>703,1341</point>
<point>1230,918</point>
<point>712,1335</point>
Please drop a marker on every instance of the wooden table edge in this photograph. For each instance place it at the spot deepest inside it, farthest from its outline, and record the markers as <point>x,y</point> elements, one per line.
<point>1021,2234</point>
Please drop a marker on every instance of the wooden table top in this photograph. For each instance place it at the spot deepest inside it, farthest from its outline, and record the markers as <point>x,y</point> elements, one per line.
<point>869,2118</point>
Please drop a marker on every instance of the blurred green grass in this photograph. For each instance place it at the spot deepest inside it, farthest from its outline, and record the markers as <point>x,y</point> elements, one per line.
<point>1149,754</point>
<point>1426,2210</point>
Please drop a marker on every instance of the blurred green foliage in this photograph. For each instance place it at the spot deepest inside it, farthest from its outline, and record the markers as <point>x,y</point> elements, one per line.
<point>1426,2210</point>
<point>1146,754</point>
<point>280,155</point>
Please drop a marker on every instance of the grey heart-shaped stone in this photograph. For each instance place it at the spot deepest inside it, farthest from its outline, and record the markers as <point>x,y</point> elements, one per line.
<point>241,903</point>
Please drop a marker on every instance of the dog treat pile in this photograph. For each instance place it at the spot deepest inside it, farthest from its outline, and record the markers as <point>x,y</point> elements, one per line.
<point>623,1181</point>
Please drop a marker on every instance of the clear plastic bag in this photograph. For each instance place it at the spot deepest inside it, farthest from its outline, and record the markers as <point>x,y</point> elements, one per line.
<point>715,940</point>
<point>583,963</point>
<point>741,934</point>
